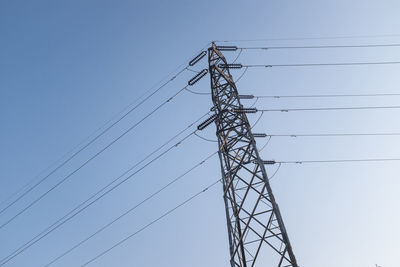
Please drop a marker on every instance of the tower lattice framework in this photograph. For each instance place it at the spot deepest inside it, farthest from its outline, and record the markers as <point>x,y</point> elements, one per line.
<point>257,234</point>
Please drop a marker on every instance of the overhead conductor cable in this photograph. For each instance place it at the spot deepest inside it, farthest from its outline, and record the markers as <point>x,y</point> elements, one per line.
<point>131,209</point>
<point>78,209</point>
<point>149,224</point>
<point>91,158</point>
<point>130,110</point>
<point>321,46</point>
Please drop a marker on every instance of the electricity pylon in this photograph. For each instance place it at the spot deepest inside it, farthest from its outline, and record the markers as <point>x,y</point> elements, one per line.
<point>257,235</point>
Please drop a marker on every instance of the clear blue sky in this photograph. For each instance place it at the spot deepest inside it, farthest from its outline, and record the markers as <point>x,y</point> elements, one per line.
<point>66,67</point>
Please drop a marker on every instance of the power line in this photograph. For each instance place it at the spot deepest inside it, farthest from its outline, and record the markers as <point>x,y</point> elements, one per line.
<point>84,147</point>
<point>125,112</point>
<point>206,139</point>
<point>266,144</point>
<point>327,108</point>
<point>276,171</point>
<point>237,57</point>
<point>65,218</point>
<point>130,210</point>
<point>323,64</point>
<point>333,134</point>
<point>241,76</point>
<point>318,46</point>
<point>258,120</point>
<point>310,38</point>
<point>325,96</point>
<point>78,208</point>
<point>91,158</point>
<point>336,161</point>
<point>151,223</point>
<point>196,93</point>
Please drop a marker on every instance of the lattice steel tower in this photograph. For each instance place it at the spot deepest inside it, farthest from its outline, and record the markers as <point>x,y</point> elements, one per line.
<point>257,235</point>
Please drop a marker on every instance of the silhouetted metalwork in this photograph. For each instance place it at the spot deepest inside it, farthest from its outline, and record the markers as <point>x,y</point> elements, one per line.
<point>257,235</point>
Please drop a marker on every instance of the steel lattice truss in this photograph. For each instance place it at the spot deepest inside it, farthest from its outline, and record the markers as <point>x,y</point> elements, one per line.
<point>257,234</point>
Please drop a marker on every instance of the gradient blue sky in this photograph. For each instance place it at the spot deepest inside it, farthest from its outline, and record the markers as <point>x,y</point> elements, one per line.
<point>66,67</point>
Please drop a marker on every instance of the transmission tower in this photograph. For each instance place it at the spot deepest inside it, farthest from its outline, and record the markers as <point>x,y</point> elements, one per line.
<point>257,235</point>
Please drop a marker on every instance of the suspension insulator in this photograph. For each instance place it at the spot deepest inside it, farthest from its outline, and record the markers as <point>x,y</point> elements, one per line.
<point>197,58</point>
<point>246,96</point>
<point>245,110</point>
<point>230,66</point>
<point>197,77</point>
<point>259,135</point>
<point>207,122</point>
<point>269,162</point>
<point>227,48</point>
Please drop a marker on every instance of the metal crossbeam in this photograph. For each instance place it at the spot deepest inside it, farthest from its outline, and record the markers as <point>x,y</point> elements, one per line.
<point>256,231</point>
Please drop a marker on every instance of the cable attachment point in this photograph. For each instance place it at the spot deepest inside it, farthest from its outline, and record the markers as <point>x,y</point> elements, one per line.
<point>207,122</point>
<point>230,66</point>
<point>227,48</point>
<point>197,77</point>
<point>259,135</point>
<point>246,96</point>
<point>245,110</point>
<point>197,58</point>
